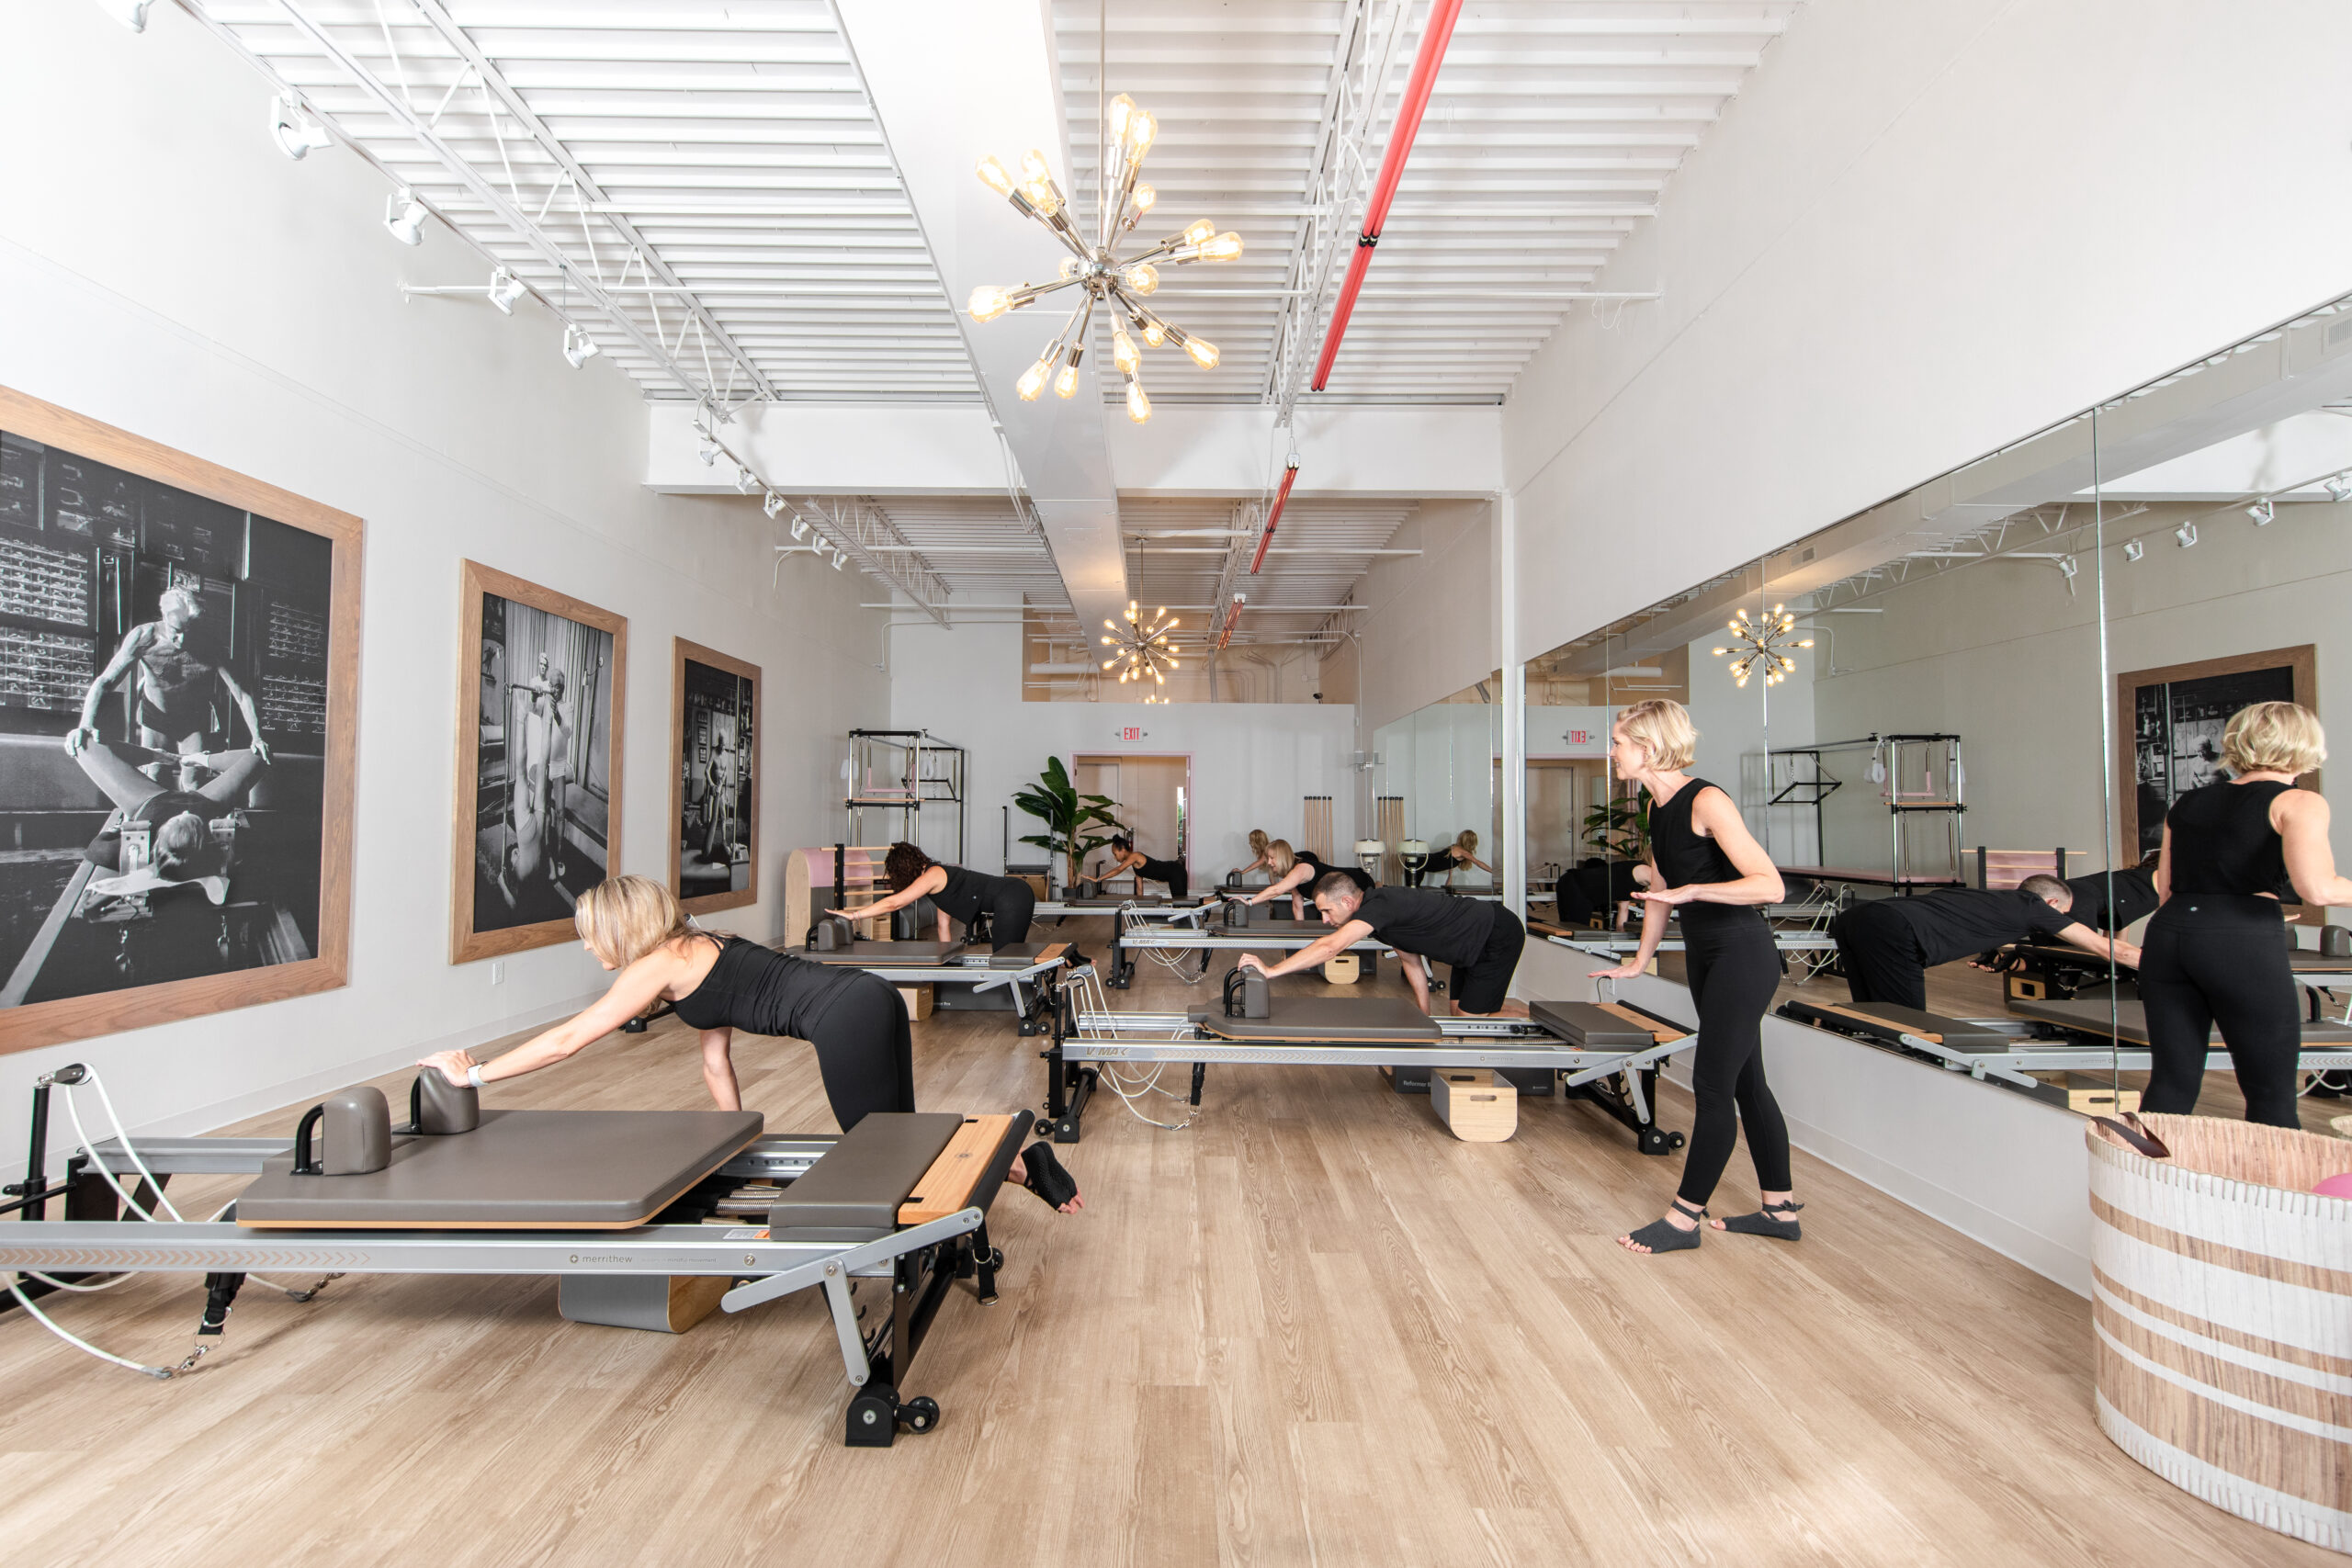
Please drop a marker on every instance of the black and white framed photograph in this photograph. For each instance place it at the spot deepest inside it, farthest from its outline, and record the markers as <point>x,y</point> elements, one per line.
<point>538,761</point>
<point>2177,715</point>
<point>714,798</point>
<point>178,656</point>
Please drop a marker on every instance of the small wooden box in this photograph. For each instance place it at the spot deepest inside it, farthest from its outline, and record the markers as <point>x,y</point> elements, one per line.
<point>918,999</point>
<point>640,1301</point>
<point>1343,970</point>
<point>2092,1096</point>
<point>1470,1102</point>
<point>1037,884</point>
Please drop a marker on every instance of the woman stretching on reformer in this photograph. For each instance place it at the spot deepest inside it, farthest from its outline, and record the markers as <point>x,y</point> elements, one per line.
<point>720,983</point>
<point>1295,873</point>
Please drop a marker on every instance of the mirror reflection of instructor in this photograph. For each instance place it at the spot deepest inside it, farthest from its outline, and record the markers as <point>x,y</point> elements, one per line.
<point>1887,945</point>
<point>2217,946</point>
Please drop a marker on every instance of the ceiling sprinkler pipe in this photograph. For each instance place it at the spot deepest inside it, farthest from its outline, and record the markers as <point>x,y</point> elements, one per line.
<point>1290,478</point>
<point>1435,34</point>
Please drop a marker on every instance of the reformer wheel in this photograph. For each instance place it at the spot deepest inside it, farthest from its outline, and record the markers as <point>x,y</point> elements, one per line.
<point>873,1417</point>
<point>921,1414</point>
<point>1657,1141</point>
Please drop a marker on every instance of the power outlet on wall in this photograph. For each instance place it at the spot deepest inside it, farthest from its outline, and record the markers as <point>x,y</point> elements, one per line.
<point>498,971</point>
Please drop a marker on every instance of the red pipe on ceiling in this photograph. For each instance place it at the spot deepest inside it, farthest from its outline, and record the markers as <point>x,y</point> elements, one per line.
<point>1290,478</point>
<point>1436,32</point>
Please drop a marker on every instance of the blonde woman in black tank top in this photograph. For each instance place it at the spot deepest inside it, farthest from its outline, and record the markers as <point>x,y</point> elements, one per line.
<point>1708,866</point>
<point>2216,953</point>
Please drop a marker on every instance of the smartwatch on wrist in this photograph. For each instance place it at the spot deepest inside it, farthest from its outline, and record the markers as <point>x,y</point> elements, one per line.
<point>473,1075</point>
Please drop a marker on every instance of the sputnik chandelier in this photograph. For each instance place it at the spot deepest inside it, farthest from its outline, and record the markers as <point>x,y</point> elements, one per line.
<point>1764,642</point>
<point>1117,285</point>
<point>1137,652</point>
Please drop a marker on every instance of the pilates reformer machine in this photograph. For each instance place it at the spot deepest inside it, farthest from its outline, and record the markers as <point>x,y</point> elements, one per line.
<point>647,1219</point>
<point>2036,972</point>
<point>1608,1052</point>
<point>1023,971</point>
<point>1231,928</point>
<point>2089,1034</point>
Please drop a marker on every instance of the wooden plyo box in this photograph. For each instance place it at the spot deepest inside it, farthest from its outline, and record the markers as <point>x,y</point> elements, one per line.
<point>1343,970</point>
<point>918,999</point>
<point>1471,1103</point>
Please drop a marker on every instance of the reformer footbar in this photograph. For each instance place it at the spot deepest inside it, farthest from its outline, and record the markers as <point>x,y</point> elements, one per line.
<point>915,1189</point>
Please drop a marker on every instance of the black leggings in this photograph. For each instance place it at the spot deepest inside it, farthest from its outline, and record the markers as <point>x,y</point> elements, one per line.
<point>864,1051</point>
<point>1880,953</point>
<point>1009,917</point>
<point>1733,969</point>
<point>2220,959</point>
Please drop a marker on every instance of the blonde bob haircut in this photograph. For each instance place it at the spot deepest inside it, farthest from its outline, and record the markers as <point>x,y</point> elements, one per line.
<point>1257,840</point>
<point>2284,736</point>
<point>1662,727</point>
<point>626,917</point>
<point>1279,858</point>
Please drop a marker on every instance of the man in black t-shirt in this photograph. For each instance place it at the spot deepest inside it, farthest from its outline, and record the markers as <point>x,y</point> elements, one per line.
<point>1887,945</point>
<point>1481,940</point>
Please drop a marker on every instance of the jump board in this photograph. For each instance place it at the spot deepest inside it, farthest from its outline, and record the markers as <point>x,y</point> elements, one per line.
<point>2130,1021</point>
<point>518,1170</point>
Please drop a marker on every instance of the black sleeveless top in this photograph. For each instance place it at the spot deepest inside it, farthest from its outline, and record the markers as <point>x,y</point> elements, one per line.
<point>967,894</point>
<point>1684,857</point>
<point>2222,841</point>
<point>1159,870</point>
<point>1324,868</point>
<point>761,991</point>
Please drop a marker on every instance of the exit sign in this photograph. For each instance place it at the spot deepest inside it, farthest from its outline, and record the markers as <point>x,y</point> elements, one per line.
<point>1129,732</point>
<point>1579,737</point>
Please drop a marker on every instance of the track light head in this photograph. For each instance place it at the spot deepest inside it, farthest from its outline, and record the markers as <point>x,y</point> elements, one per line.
<point>708,452</point>
<point>772,504</point>
<point>2185,535</point>
<point>404,217</point>
<point>132,14</point>
<point>2067,567</point>
<point>295,132</point>
<point>578,347</point>
<point>841,559</point>
<point>800,529</point>
<point>2338,488</point>
<point>744,483</point>
<point>505,289</point>
<point>2262,511</point>
<point>2133,550</point>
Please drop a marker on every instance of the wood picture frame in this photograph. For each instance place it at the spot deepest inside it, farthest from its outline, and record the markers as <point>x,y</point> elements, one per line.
<point>537,849</point>
<point>691,754</point>
<point>160,532</point>
<point>2140,796</point>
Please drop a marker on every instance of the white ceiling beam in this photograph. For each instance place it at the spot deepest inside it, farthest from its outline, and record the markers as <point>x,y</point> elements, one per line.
<point>951,80</point>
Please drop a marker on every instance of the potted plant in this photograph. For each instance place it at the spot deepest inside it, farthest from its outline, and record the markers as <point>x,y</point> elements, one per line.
<point>1620,827</point>
<point>1068,815</point>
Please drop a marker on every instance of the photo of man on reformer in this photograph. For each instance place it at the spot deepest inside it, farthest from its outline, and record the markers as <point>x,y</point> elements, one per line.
<point>162,731</point>
<point>541,801</point>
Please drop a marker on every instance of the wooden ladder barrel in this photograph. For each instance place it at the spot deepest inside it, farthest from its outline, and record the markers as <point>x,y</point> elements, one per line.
<point>2222,1307</point>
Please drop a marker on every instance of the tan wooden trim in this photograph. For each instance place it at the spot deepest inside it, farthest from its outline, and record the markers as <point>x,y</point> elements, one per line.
<point>1875,1022</point>
<point>1661,1033</point>
<point>682,650</point>
<point>1052,950</point>
<point>947,1187</point>
<point>137,1007</point>
<point>2304,661</point>
<point>475,579</point>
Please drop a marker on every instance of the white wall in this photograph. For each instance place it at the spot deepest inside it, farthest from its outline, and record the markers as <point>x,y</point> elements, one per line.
<point>1922,232</point>
<point>1429,629</point>
<point>1252,763</point>
<point>1737,725</point>
<point>166,270</point>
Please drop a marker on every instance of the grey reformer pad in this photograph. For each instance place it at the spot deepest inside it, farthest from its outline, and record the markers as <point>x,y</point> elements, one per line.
<point>1327,1021</point>
<point>2089,1015</point>
<point>853,1190</point>
<point>858,955</point>
<point>518,1170</point>
<point>1590,1025</point>
<point>1955,1033</point>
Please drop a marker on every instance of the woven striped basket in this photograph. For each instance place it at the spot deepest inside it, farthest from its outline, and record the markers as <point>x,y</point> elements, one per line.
<point>2222,1299</point>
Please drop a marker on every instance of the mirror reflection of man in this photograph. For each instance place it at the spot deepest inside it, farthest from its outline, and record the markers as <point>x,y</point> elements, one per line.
<point>174,685</point>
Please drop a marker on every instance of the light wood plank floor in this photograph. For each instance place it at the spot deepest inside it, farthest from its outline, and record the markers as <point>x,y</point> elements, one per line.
<point>1312,1328</point>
